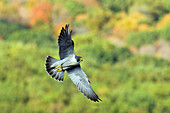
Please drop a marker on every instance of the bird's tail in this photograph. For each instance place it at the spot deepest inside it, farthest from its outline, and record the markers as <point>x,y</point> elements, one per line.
<point>53,67</point>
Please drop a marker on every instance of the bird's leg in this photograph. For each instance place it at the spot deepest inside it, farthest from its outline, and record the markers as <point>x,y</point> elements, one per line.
<point>59,70</point>
<point>57,67</point>
<point>60,66</point>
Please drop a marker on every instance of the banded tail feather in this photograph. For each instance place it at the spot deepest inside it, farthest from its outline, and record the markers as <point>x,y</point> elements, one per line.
<point>53,70</point>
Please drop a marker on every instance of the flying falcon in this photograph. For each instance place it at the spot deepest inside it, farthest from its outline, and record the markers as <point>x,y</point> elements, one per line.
<point>71,63</point>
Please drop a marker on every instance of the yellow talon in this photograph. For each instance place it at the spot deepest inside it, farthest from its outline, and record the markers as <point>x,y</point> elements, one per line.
<point>57,67</point>
<point>59,70</point>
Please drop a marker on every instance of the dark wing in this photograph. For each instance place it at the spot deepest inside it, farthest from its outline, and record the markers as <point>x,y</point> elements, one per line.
<point>81,81</point>
<point>66,45</point>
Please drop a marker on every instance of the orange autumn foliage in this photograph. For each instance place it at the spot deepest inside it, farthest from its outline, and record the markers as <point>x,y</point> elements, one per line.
<point>128,23</point>
<point>41,12</point>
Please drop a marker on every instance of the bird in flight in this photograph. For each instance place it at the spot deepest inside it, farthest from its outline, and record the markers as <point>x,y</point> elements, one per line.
<point>71,63</point>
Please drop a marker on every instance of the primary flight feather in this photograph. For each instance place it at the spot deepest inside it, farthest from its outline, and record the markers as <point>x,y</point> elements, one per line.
<point>71,63</point>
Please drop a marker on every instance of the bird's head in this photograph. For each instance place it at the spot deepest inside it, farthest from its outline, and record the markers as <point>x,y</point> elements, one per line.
<point>79,58</point>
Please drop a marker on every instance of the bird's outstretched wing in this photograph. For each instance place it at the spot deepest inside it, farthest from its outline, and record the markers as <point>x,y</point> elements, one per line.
<point>81,81</point>
<point>66,45</point>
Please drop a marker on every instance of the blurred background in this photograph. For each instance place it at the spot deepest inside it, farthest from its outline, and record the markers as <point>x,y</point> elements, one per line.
<point>125,45</point>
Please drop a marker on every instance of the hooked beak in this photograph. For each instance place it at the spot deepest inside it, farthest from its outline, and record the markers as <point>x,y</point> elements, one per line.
<point>81,59</point>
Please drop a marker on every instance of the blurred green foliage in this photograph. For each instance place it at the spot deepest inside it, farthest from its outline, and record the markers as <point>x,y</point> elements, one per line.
<point>146,37</point>
<point>74,7</point>
<point>116,5</point>
<point>32,36</point>
<point>165,32</point>
<point>6,28</point>
<point>18,32</point>
<point>139,39</point>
